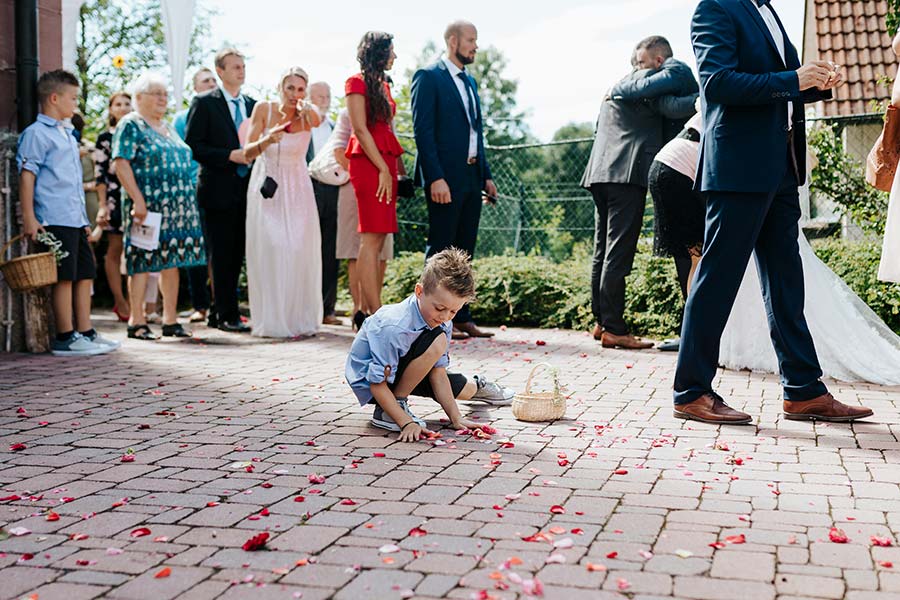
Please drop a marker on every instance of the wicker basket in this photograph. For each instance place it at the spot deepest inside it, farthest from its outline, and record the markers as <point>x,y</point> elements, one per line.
<point>540,406</point>
<point>28,272</point>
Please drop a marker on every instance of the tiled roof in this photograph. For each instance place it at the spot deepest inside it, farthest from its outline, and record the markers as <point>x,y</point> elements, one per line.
<point>852,33</point>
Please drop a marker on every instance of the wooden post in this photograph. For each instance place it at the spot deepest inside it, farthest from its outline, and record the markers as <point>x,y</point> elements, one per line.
<point>37,320</point>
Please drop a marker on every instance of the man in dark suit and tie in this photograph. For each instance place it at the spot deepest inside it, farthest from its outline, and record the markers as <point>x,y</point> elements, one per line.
<point>326,202</point>
<point>635,121</point>
<point>451,164</point>
<point>212,133</point>
<point>752,160</point>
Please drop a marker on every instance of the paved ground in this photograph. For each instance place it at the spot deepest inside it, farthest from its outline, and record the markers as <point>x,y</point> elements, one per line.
<point>228,435</point>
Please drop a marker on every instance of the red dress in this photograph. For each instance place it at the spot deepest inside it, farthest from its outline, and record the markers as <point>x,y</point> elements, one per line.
<point>374,216</point>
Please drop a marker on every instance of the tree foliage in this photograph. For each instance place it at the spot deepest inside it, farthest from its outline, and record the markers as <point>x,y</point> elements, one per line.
<point>892,20</point>
<point>129,33</point>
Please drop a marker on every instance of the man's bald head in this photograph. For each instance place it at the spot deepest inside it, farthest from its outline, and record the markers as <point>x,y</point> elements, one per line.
<point>320,95</point>
<point>461,38</point>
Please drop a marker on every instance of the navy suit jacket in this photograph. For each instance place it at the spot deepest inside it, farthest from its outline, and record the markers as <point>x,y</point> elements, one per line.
<point>745,90</point>
<point>441,128</point>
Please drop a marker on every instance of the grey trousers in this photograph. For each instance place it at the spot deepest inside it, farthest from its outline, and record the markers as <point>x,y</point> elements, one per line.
<point>617,227</point>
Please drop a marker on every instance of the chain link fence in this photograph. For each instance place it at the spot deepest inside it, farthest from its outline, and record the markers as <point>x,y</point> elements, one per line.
<point>542,209</point>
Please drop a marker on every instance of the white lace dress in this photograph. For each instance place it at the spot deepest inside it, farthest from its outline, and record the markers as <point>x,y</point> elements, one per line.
<point>852,342</point>
<point>284,247</point>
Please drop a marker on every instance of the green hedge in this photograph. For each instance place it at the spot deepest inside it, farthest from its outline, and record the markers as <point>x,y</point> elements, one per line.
<point>533,291</point>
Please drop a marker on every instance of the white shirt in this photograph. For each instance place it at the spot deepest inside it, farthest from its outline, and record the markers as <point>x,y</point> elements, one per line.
<point>769,17</point>
<point>321,134</point>
<point>231,106</point>
<point>681,154</point>
<point>466,99</point>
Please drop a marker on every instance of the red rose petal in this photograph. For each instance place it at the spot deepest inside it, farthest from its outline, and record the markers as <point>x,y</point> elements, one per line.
<point>17,447</point>
<point>563,462</point>
<point>264,512</point>
<point>11,498</point>
<point>299,498</point>
<point>164,572</point>
<point>140,532</point>
<point>735,539</point>
<point>540,342</point>
<point>348,502</point>
<point>612,555</point>
<point>556,509</point>
<point>256,542</point>
<point>379,454</point>
<point>266,485</point>
<point>838,536</point>
<point>315,478</point>
<point>417,532</point>
<point>882,541</point>
<point>577,531</point>
<point>886,564</point>
<point>211,504</point>
<point>52,516</point>
<point>620,472</point>
<point>127,458</point>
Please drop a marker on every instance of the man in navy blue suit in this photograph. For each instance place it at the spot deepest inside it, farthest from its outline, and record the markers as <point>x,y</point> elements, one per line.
<point>752,160</point>
<point>451,163</point>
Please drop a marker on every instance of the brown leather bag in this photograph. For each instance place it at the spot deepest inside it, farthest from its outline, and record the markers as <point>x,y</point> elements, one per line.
<point>881,164</point>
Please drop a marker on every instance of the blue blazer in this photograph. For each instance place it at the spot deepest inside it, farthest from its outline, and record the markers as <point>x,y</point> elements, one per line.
<point>744,88</point>
<point>441,128</point>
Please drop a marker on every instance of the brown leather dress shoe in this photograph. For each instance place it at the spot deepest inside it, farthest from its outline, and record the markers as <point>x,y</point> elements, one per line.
<point>627,341</point>
<point>472,329</point>
<point>710,408</point>
<point>824,408</point>
<point>598,332</point>
<point>456,334</point>
<point>331,320</point>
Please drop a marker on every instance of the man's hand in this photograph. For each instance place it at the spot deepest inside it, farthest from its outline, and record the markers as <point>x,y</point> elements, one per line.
<point>814,74</point>
<point>440,192</point>
<point>490,192</point>
<point>31,227</point>
<point>340,155</point>
<point>835,77</point>
<point>237,156</point>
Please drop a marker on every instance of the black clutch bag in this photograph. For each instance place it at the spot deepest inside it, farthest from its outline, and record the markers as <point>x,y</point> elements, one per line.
<point>268,187</point>
<point>406,188</point>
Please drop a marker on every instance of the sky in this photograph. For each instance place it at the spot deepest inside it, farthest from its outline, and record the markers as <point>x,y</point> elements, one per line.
<point>565,54</point>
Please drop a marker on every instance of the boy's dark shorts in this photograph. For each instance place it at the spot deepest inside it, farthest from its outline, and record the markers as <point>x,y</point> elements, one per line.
<point>418,348</point>
<point>79,264</point>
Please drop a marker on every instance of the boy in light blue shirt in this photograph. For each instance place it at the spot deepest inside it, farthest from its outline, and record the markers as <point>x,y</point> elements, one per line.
<point>52,196</point>
<point>403,350</point>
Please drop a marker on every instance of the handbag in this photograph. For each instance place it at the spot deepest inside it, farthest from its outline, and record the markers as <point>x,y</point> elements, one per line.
<point>324,168</point>
<point>269,185</point>
<point>881,164</point>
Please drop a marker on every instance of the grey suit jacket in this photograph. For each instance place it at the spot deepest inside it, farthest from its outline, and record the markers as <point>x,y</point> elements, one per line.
<point>629,133</point>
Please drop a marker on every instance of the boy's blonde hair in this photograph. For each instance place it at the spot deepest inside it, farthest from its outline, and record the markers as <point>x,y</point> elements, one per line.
<point>451,270</point>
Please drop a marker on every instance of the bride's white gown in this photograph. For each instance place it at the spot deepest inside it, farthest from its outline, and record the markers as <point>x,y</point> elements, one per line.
<point>852,342</point>
<point>284,255</point>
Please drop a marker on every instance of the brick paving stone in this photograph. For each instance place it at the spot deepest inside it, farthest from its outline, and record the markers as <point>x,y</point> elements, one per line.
<point>241,399</point>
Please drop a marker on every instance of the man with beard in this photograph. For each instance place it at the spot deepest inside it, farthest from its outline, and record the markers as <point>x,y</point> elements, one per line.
<point>451,163</point>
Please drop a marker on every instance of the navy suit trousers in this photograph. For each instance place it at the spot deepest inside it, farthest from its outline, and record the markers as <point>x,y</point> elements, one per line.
<point>737,224</point>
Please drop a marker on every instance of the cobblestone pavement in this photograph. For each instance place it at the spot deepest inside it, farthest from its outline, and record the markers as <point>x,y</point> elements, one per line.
<point>230,437</point>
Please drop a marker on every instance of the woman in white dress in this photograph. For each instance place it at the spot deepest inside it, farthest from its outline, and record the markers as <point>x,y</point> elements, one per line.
<point>852,343</point>
<point>284,262</point>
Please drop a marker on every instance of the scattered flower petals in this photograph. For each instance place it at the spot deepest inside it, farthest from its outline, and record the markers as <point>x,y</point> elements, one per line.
<point>556,509</point>
<point>735,539</point>
<point>540,343</point>
<point>299,499</point>
<point>645,554</point>
<point>882,541</point>
<point>52,516</point>
<point>26,556</point>
<point>622,584</point>
<point>886,564</point>
<point>77,537</point>
<point>164,572</point>
<point>348,502</point>
<point>11,498</point>
<point>592,567</point>
<point>556,559</point>
<point>612,555</point>
<point>315,478</point>
<point>114,551</point>
<point>620,472</point>
<point>563,543</point>
<point>17,447</point>
<point>681,553</point>
<point>18,531</point>
<point>417,532</point>
<point>379,454</point>
<point>389,549</point>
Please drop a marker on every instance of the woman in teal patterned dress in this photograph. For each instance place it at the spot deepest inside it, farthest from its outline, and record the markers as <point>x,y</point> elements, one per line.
<point>154,168</point>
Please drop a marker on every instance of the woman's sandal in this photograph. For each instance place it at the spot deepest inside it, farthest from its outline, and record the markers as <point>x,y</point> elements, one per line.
<point>176,330</point>
<point>141,332</point>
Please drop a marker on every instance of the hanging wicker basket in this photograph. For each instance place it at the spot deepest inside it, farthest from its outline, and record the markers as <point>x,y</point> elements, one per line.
<point>28,272</point>
<point>540,406</point>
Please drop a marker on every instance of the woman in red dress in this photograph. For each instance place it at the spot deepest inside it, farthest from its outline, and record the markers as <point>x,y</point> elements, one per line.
<point>374,154</point>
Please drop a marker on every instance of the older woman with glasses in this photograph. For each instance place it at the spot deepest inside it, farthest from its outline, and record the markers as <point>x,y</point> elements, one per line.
<point>154,168</point>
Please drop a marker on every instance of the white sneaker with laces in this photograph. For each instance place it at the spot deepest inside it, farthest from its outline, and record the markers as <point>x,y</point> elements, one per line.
<point>77,345</point>
<point>107,343</point>
<point>492,393</point>
<point>383,420</point>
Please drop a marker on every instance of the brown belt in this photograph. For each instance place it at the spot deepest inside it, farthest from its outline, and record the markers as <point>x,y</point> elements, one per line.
<point>471,161</point>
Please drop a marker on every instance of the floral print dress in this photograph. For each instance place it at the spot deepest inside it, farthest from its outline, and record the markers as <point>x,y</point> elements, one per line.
<point>162,169</point>
<point>106,174</point>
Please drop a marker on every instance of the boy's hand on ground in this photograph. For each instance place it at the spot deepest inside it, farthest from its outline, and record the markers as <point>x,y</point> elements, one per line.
<point>412,433</point>
<point>465,424</point>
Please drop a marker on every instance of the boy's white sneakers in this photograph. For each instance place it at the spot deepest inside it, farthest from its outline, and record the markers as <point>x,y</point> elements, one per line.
<point>107,343</point>
<point>383,420</point>
<point>78,345</point>
<point>492,393</point>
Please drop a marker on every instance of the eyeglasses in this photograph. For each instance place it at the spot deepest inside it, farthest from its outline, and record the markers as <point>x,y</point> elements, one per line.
<point>159,94</point>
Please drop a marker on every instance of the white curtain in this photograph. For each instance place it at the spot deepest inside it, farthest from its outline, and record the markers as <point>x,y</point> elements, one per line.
<point>70,12</point>
<point>178,23</point>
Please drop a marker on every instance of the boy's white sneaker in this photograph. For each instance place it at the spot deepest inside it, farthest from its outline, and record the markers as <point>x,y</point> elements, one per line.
<point>382,420</point>
<point>492,393</point>
<point>77,345</point>
<point>107,343</point>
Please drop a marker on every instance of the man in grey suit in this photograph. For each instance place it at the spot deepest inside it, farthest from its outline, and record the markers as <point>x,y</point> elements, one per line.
<point>640,114</point>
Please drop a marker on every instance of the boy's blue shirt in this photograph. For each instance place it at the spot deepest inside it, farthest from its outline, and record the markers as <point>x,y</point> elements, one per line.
<point>48,149</point>
<point>383,339</point>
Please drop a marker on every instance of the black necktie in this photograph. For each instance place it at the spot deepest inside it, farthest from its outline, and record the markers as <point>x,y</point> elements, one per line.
<point>761,3</point>
<point>470,93</point>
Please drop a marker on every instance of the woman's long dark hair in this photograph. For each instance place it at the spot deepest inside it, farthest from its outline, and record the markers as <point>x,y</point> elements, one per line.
<point>373,55</point>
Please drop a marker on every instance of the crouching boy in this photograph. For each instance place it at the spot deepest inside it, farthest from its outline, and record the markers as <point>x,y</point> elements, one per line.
<point>403,350</point>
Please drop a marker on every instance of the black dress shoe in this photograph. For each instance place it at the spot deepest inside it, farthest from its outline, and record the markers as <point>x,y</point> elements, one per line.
<point>212,320</point>
<point>234,327</point>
